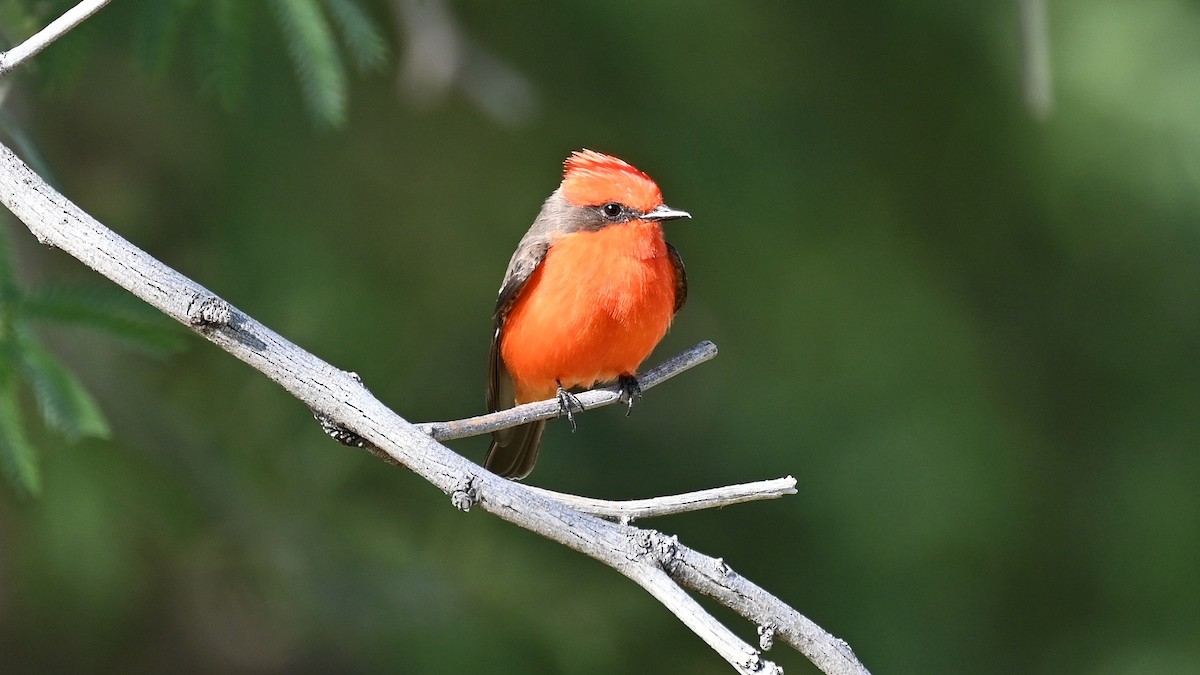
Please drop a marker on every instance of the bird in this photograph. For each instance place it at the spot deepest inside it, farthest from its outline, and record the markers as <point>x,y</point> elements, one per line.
<point>590,291</point>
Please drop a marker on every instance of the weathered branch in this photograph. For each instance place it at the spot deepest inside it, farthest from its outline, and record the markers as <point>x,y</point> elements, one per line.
<point>645,556</point>
<point>543,410</point>
<point>743,657</point>
<point>53,31</point>
<point>714,578</point>
<point>627,511</point>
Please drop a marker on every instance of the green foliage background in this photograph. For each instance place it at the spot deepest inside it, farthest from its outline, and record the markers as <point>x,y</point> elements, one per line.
<point>972,336</point>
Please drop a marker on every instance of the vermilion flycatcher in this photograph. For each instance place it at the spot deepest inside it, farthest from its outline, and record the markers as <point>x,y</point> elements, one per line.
<point>590,291</point>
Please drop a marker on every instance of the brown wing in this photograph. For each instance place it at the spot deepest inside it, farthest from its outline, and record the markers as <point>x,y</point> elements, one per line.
<point>513,451</point>
<point>526,259</point>
<point>680,277</point>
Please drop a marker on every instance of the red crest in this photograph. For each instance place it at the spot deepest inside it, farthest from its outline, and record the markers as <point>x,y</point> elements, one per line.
<point>592,178</point>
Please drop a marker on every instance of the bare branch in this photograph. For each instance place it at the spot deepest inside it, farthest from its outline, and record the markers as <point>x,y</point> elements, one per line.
<point>639,554</point>
<point>744,658</point>
<point>714,578</point>
<point>544,410</point>
<point>53,31</point>
<point>628,510</point>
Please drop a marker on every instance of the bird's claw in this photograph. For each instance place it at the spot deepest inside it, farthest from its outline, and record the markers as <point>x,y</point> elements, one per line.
<point>568,403</point>
<point>629,390</point>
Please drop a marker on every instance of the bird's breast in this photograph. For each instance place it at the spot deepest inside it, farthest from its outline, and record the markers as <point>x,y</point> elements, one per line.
<point>593,310</point>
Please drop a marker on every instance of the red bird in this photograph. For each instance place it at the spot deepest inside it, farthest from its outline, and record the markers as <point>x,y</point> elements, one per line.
<point>589,292</point>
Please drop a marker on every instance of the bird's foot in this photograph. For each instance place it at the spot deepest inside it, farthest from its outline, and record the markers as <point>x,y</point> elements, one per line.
<point>630,389</point>
<point>568,403</point>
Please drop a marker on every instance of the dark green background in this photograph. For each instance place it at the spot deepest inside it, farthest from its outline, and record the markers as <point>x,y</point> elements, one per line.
<point>972,336</point>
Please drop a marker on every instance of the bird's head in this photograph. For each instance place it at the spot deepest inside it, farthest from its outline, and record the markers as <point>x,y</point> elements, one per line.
<point>616,190</point>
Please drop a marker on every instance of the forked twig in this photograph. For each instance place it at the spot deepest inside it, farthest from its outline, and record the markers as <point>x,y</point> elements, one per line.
<point>626,511</point>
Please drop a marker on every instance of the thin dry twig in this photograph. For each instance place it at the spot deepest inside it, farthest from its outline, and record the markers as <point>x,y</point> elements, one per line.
<point>640,554</point>
<point>626,511</point>
<point>543,410</point>
<point>53,31</point>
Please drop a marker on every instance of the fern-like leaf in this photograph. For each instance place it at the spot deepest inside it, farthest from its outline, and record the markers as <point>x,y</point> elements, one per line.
<point>18,459</point>
<point>315,58</point>
<point>109,311</point>
<point>66,406</point>
<point>360,34</point>
<point>223,53</point>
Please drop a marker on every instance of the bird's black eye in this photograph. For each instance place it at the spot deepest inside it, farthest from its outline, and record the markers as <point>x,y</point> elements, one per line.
<point>611,210</point>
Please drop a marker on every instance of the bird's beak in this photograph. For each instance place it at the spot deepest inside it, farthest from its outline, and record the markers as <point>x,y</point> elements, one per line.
<point>664,212</point>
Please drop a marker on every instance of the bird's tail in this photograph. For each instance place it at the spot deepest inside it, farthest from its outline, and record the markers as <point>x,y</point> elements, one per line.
<point>514,451</point>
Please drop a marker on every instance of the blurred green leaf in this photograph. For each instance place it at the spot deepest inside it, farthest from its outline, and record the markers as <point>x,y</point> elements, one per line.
<point>65,404</point>
<point>17,457</point>
<point>111,311</point>
<point>363,40</point>
<point>221,39</point>
<point>26,147</point>
<point>64,62</point>
<point>8,286</point>
<point>17,22</point>
<point>315,58</point>
<point>159,27</point>
<point>224,50</point>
